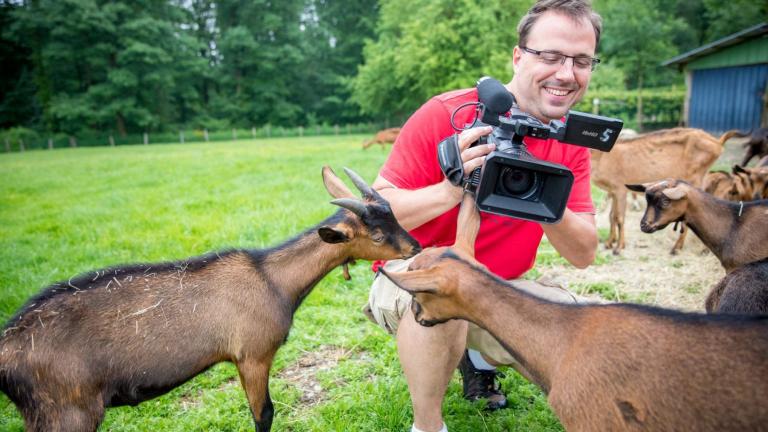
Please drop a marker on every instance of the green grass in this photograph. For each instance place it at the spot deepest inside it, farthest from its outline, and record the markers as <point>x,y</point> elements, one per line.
<point>63,212</point>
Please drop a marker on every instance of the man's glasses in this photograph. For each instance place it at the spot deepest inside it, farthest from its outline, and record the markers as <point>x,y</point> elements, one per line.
<point>553,58</point>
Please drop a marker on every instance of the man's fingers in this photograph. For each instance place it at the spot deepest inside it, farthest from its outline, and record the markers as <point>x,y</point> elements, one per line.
<point>469,136</point>
<point>472,164</point>
<point>476,152</point>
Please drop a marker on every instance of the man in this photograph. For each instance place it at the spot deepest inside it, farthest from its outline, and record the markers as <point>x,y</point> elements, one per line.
<point>553,63</point>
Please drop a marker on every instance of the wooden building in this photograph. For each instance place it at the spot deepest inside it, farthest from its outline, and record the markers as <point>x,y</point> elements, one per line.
<point>727,82</point>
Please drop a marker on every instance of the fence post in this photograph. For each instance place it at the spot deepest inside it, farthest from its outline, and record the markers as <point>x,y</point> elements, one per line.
<point>181,136</point>
<point>7,145</point>
<point>253,132</point>
<point>21,145</point>
<point>111,140</point>
<point>269,130</point>
<point>50,143</point>
<point>301,131</point>
<point>72,141</point>
<point>205,134</point>
<point>335,129</point>
<point>348,132</point>
<point>596,106</point>
<point>234,134</point>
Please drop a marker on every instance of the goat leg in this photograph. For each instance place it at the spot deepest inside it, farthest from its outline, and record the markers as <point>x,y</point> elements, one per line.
<point>254,376</point>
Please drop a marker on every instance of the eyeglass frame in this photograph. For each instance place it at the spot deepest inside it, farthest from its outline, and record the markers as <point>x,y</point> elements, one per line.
<point>594,61</point>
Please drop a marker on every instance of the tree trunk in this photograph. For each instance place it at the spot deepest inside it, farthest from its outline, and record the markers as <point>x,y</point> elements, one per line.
<point>640,104</point>
<point>120,124</point>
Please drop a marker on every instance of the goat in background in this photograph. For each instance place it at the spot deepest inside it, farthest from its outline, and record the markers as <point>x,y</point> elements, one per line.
<point>123,335</point>
<point>734,231</point>
<point>757,145</point>
<point>383,137</point>
<point>680,152</point>
<point>612,367</point>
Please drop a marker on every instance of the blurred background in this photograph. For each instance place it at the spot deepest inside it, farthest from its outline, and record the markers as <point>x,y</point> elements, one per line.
<point>93,72</point>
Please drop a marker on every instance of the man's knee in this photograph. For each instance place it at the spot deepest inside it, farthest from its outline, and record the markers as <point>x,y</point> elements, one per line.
<point>387,303</point>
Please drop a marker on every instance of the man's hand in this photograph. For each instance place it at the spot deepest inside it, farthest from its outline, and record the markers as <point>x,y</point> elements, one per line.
<point>415,207</point>
<point>474,157</point>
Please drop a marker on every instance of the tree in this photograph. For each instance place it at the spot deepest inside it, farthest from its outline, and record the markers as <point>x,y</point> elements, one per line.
<point>448,44</point>
<point>637,38</point>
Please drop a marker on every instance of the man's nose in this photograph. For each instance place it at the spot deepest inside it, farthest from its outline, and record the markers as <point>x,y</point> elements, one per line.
<point>565,72</point>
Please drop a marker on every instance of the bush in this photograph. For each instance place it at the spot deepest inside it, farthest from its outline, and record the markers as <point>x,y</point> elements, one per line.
<point>662,107</point>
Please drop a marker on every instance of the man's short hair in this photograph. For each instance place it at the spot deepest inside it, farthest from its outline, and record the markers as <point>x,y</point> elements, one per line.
<point>576,9</point>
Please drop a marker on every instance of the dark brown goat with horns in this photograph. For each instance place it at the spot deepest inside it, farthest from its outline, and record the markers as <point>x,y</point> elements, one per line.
<point>124,335</point>
<point>614,367</point>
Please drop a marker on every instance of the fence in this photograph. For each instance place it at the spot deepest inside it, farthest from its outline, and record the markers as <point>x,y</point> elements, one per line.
<point>21,139</point>
<point>650,109</point>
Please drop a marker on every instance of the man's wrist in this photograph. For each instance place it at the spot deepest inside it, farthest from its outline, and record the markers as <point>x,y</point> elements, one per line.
<point>451,193</point>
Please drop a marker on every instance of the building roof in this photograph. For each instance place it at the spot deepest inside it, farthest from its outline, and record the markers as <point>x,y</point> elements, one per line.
<point>736,38</point>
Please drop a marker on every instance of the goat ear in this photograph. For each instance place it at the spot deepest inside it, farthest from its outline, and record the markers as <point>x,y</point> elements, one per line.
<point>636,187</point>
<point>416,281</point>
<point>675,193</point>
<point>333,235</point>
<point>334,185</point>
<point>739,169</point>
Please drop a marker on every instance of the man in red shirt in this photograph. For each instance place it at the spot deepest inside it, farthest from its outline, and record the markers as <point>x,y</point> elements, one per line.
<point>553,64</point>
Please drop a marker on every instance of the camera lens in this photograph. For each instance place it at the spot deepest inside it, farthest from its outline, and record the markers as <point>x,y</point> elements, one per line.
<point>518,183</point>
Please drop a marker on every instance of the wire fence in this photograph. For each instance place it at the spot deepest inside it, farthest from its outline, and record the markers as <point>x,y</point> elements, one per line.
<point>22,139</point>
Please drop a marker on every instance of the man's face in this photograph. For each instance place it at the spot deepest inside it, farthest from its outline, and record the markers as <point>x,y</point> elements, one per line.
<point>548,91</point>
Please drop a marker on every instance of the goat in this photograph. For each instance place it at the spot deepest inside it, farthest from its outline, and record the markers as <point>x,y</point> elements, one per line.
<point>734,231</point>
<point>744,291</point>
<point>383,137</point>
<point>123,335</point>
<point>680,152</point>
<point>610,367</point>
<point>728,186</point>
<point>757,178</point>
<point>757,145</point>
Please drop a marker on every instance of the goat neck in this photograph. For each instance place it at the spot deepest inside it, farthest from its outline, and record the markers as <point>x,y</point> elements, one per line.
<point>297,265</point>
<point>537,333</point>
<point>723,226</point>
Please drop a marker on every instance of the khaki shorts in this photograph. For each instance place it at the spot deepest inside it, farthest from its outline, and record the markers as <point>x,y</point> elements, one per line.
<point>387,304</point>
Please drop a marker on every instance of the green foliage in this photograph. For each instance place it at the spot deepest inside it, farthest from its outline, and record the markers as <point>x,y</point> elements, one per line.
<point>662,106</point>
<point>449,44</point>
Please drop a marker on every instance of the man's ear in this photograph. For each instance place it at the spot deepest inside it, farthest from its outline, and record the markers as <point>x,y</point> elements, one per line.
<point>333,235</point>
<point>517,53</point>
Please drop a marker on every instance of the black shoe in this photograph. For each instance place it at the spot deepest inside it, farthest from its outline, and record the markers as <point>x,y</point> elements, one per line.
<point>481,384</point>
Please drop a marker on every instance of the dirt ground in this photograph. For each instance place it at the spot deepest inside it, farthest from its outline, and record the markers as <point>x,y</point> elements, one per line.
<point>646,271</point>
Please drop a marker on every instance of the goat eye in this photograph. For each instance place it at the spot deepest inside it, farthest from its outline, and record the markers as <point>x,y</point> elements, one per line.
<point>377,236</point>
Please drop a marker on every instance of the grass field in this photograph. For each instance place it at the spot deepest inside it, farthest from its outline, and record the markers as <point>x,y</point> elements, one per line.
<point>64,212</point>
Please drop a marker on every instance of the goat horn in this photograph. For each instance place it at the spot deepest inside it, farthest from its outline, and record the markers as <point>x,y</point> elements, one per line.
<point>355,206</point>
<point>361,185</point>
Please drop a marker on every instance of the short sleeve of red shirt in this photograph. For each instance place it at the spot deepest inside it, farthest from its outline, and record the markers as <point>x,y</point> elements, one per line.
<point>506,245</point>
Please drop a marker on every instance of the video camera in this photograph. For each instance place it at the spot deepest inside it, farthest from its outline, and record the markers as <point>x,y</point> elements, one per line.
<point>512,182</point>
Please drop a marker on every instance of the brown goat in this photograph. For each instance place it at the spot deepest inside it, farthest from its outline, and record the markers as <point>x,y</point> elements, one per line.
<point>757,145</point>
<point>728,186</point>
<point>384,136</point>
<point>734,231</point>
<point>615,367</point>
<point>744,291</point>
<point>680,152</point>
<point>123,335</point>
<point>757,178</point>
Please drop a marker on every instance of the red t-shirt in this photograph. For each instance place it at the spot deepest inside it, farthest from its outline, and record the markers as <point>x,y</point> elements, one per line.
<point>504,244</point>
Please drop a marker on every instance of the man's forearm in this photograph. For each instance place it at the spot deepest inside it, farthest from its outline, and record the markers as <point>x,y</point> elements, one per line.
<point>413,208</point>
<point>574,237</point>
